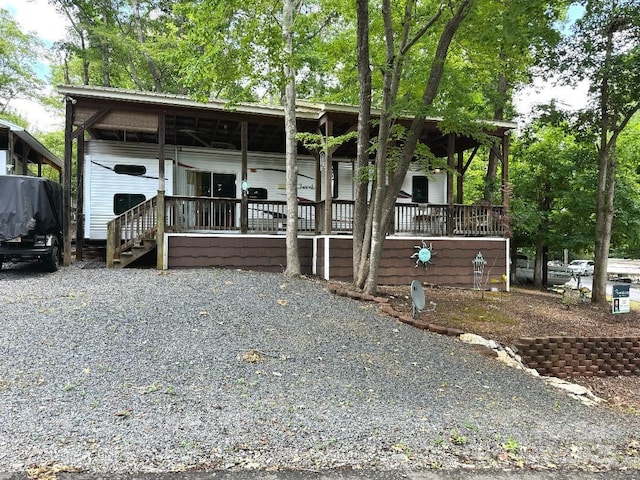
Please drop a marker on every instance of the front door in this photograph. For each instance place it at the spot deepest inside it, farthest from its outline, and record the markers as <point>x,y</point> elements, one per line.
<point>224,186</point>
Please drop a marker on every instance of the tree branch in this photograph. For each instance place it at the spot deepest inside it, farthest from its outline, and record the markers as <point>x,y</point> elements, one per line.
<point>420,33</point>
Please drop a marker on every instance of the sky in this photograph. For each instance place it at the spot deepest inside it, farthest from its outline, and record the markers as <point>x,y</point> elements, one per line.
<point>40,17</point>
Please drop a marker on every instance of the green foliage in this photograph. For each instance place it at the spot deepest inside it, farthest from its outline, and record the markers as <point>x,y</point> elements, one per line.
<point>553,196</point>
<point>119,43</point>
<point>19,57</point>
<point>317,142</point>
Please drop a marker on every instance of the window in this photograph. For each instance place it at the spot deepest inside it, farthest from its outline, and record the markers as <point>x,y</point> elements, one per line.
<point>257,193</point>
<point>124,201</point>
<point>137,170</point>
<point>419,191</point>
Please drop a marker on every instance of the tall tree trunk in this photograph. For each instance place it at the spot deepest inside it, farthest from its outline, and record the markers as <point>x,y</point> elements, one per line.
<point>293,258</point>
<point>105,51</point>
<point>606,183</point>
<point>604,220</point>
<point>386,202</point>
<point>362,157</point>
<point>492,164</point>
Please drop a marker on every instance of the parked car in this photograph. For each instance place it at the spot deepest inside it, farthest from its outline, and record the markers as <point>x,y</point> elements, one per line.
<point>557,274</point>
<point>30,220</point>
<point>581,267</point>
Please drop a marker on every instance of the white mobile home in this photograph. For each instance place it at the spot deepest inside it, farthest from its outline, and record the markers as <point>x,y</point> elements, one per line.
<point>221,199</point>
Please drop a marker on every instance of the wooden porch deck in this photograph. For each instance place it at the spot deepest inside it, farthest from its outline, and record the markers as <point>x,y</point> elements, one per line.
<point>138,226</point>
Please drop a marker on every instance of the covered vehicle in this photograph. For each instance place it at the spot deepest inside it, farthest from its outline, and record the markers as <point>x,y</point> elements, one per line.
<point>30,220</point>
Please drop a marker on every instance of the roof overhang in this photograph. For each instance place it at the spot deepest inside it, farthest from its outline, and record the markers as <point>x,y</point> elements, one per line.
<point>33,143</point>
<point>216,122</point>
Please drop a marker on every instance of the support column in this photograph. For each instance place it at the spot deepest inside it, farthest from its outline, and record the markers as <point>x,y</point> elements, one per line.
<point>327,179</point>
<point>244,202</point>
<point>505,172</point>
<point>80,199</point>
<point>66,185</point>
<point>460,178</point>
<point>451,145</point>
<point>161,214</point>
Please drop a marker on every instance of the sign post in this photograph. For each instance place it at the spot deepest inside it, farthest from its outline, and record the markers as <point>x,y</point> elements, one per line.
<point>620,299</point>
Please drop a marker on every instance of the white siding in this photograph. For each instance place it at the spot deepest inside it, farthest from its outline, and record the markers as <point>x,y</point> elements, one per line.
<point>264,171</point>
<point>436,186</point>
<point>102,183</point>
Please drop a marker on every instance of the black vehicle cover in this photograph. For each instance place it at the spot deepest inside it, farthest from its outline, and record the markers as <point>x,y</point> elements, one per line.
<point>29,205</point>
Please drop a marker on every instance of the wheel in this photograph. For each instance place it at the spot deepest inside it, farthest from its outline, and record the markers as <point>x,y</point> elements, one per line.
<point>52,261</point>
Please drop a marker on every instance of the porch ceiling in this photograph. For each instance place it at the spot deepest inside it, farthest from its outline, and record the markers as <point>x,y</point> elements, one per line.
<point>216,125</point>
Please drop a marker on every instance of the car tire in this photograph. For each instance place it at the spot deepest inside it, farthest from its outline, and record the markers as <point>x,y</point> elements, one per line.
<point>52,261</point>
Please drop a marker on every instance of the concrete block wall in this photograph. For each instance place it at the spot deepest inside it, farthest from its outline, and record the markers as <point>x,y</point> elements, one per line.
<point>585,356</point>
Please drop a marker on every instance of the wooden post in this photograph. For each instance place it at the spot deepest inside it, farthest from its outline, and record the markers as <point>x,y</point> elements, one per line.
<point>451,145</point>
<point>161,214</point>
<point>66,186</point>
<point>328,191</point>
<point>460,179</point>
<point>80,199</point>
<point>111,247</point>
<point>244,202</point>
<point>505,172</point>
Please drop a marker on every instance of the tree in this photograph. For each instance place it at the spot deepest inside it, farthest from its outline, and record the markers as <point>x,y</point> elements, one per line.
<point>554,193</point>
<point>120,43</point>
<point>19,57</point>
<point>247,50</point>
<point>399,37</point>
<point>605,50</point>
<point>291,142</point>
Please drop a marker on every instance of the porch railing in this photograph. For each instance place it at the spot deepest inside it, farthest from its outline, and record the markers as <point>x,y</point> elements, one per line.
<point>224,214</point>
<point>193,214</point>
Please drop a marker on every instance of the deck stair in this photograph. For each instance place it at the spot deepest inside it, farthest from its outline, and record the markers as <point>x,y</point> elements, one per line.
<point>128,257</point>
<point>132,234</point>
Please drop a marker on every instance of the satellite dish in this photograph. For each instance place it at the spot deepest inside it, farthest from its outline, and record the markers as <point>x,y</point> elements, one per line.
<point>417,296</point>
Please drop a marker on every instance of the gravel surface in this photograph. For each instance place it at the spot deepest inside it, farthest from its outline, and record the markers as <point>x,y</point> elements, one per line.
<point>145,371</point>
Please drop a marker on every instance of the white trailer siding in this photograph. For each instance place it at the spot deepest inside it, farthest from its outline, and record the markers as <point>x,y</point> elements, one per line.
<point>264,170</point>
<point>102,183</point>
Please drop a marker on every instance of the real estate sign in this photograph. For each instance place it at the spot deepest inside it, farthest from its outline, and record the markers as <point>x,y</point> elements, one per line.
<point>620,299</point>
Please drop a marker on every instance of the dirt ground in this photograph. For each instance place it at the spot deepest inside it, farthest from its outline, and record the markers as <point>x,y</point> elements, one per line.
<point>507,316</point>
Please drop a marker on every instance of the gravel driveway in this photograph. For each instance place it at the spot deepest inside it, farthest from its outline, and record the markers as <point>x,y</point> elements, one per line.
<point>143,371</point>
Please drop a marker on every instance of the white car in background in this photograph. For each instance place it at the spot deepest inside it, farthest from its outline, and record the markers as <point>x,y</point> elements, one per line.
<point>581,267</point>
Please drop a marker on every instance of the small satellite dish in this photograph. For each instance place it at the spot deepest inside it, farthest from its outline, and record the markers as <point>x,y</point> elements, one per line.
<point>417,296</point>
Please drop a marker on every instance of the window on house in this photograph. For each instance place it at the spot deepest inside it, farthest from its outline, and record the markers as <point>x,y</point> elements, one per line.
<point>124,201</point>
<point>137,170</point>
<point>419,191</point>
<point>257,193</point>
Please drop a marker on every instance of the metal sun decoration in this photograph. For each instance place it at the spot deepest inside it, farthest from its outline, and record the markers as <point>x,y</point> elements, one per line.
<point>424,254</point>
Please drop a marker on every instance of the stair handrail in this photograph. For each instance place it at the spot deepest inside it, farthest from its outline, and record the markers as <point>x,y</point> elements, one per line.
<point>130,228</point>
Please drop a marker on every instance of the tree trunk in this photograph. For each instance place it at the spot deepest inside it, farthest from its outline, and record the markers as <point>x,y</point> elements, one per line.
<point>360,212</point>
<point>492,165</point>
<point>291,143</point>
<point>386,197</point>
<point>604,220</point>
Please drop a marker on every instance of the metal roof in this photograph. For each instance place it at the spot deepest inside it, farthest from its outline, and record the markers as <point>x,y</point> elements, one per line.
<point>32,142</point>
